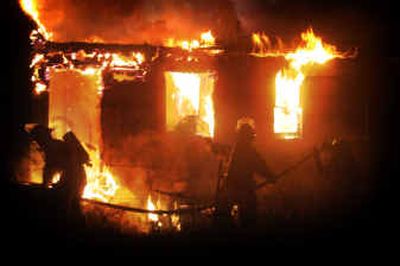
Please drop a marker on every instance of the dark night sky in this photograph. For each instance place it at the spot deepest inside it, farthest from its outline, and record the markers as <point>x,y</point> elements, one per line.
<point>375,27</point>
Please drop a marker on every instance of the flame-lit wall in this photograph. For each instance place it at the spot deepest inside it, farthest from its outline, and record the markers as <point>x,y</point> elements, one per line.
<point>333,103</point>
<point>74,104</point>
<point>132,111</point>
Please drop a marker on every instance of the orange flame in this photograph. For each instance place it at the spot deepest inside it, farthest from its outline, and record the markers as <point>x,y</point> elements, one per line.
<point>39,88</point>
<point>190,95</point>
<point>151,207</point>
<point>312,51</point>
<point>101,60</point>
<point>206,40</point>
<point>101,184</point>
<point>119,60</point>
<point>31,8</point>
<point>263,45</point>
<point>288,82</point>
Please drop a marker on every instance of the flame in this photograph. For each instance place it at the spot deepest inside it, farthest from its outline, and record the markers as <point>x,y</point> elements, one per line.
<point>288,82</point>
<point>39,88</point>
<point>37,58</point>
<point>313,51</point>
<point>55,179</point>
<point>263,45</point>
<point>206,40</point>
<point>31,8</point>
<point>151,207</point>
<point>188,92</point>
<point>94,63</point>
<point>209,114</point>
<point>261,42</point>
<point>101,184</point>
<point>119,60</point>
<point>189,95</point>
<point>175,219</point>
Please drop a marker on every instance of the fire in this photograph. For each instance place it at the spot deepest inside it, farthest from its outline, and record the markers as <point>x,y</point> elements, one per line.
<point>95,63</point>
<point>188,92</point>
<point>37,58</point>
<point>313,51</point>
<point>39,88</point>
<point>56,178</point>
<point>288,82</point>
<point>153,218</point>
<point>175,219</point>
<point>83,85</point>
<point>206,40</point>
<point>118,60</point>
<point>31,8</point>
<point>189,96</point>
<point>151,207</point>
<point>101,184</point>
<point>263,45</point>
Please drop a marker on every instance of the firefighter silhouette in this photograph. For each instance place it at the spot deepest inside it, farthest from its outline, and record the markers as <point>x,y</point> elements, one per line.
<point>66,157</point>
<point>244,163</point>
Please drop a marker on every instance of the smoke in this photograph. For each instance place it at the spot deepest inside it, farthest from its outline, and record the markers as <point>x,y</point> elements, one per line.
<point>136,21</point>
<point>176,163</point>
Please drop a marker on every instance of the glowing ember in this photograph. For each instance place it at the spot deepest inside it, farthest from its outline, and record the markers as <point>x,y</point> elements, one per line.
<point>36,59</point>
<point>175,219</point>
<point>40,88</point>
<point>56,178</point>
<point>189,99</point>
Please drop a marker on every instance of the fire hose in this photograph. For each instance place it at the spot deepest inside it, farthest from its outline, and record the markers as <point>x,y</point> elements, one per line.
<point>158,212</point>
<point>314,154</point>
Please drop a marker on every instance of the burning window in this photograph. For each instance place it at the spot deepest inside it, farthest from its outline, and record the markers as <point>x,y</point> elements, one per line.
<point>288,111</point>
<point>189,102</point>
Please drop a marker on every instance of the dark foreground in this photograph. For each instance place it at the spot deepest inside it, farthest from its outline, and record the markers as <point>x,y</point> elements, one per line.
<point>34,225</point>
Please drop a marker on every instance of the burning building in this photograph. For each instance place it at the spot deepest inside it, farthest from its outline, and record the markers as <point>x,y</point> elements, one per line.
<point>147,98</point>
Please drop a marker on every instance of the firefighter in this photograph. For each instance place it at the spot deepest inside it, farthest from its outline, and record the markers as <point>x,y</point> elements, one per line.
<point>244,163</point>
<point>75,178</point>
<point>67,157</point>
<point>55,151</point>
